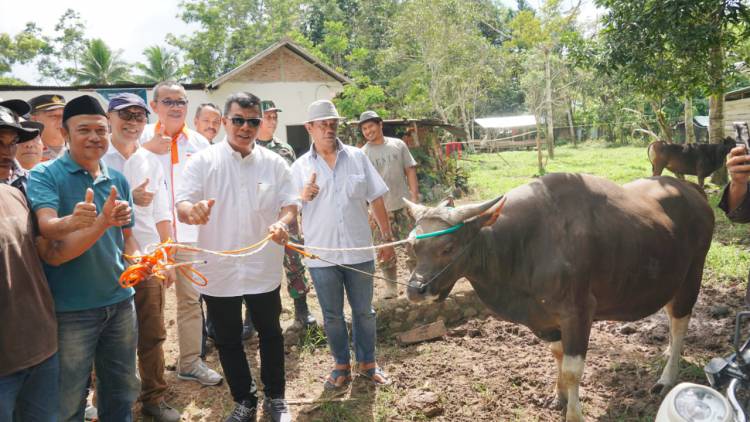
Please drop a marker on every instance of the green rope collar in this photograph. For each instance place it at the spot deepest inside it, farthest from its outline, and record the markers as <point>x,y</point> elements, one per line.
<point>439,232</point>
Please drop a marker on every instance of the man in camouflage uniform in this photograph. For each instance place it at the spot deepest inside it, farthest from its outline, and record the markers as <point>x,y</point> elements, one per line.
<point>393,161</point>
<point>297,284</point>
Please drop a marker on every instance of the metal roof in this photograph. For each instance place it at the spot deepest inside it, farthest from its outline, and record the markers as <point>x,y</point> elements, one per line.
<point>506,122</point>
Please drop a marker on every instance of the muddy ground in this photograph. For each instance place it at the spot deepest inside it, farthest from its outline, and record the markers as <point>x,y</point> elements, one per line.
<point>483,370</point>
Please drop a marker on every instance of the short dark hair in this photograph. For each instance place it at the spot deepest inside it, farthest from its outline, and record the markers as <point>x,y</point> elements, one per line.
<point>204,105</point>
<point>168,84</point>
<point>243,99</point>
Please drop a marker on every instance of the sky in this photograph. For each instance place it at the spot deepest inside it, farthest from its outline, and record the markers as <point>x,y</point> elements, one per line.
<point>131,25</point>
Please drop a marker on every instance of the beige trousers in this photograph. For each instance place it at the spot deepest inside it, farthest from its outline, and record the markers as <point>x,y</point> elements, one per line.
<point>189,316</point>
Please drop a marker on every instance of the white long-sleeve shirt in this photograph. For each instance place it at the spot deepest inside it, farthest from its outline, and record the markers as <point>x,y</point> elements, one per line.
<point>249,194</point>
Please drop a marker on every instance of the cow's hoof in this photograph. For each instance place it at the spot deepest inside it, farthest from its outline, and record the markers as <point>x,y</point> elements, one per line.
<point>660,389</point>
<point>556,403</point>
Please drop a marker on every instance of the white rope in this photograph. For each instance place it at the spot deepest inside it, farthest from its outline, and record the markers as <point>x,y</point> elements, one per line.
<point>154,246</point>
<point>360,248</point>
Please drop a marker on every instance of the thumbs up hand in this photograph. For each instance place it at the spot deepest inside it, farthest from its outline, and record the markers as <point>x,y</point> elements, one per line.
<point>141,196</point>
<point>116,212</point>
<point>84,213</point>
<point>201,211</point>
<point>311,189</point>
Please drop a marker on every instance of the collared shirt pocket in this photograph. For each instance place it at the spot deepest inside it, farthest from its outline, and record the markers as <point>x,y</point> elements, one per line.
<point>265,197</point>
<point>356,186</point>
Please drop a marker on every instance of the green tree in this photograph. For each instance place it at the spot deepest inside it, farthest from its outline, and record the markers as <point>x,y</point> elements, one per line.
<point>101,65</point>
<point>439,61</point>
<point>161,65</point>
<point>61,58</point>
<point>21,48</point>
<point>675,48</point>
<point>231,32</point>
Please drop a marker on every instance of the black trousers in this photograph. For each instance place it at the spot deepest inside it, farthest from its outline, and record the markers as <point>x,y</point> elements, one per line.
<point>226,314</point>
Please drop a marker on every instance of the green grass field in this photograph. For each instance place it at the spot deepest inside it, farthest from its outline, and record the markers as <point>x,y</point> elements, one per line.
<point>493,174</point>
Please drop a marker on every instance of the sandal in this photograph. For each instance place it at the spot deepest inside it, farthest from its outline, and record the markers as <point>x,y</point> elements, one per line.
<point>374,373</point>
<point>339,377</point>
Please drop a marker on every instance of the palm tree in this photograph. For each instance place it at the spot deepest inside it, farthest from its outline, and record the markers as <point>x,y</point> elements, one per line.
<point>162,65</point>
<point>101,65</point>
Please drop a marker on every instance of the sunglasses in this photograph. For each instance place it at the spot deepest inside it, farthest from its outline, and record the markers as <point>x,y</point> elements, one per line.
<point>252,122</point>
<point>174,103</point>
<point>128,116</point>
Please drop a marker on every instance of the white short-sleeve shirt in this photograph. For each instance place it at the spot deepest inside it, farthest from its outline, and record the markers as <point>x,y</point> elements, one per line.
<point>188,144</point>
<point>249,194</point>
<point>143,165</point>
<point>337,217</point>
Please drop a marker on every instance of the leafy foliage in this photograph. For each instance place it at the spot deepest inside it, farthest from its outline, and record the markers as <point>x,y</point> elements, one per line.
<point>101,65</point>
<point>161,65</point>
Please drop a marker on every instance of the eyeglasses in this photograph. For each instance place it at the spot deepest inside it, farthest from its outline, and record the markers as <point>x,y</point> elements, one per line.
<point>252,122</point>
<point>128,116</point>
<point>174,103</point>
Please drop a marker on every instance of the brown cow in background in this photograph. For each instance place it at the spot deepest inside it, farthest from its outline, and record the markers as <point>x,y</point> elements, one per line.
<point>695,159</point>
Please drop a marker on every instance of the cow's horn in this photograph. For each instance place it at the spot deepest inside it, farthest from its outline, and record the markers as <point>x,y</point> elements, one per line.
<point>466,212</point>
<point>416,210</point>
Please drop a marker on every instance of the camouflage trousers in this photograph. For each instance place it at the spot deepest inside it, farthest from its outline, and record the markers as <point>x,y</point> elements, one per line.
<point>401,225</point>
<point>296,281</point>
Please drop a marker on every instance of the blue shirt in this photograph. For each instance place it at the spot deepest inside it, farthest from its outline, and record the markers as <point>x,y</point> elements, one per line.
<point>337,217</point>
<point>90,280</point>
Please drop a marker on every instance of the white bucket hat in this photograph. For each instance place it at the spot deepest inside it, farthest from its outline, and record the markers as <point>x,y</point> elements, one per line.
<point>322,110</point>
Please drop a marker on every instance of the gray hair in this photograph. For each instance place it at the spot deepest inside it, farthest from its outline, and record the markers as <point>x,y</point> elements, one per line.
<point>165,84</point>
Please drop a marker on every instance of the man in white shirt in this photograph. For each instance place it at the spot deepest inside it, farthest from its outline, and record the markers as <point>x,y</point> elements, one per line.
<point>337,182</point>
<point>127,117</point>
<point>238,193</point>
<point>207,121</point>
<point>173,143</point>
<point>395,164</point>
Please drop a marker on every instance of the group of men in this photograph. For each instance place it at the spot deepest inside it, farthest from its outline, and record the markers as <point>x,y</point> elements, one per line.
<point>85,189</point>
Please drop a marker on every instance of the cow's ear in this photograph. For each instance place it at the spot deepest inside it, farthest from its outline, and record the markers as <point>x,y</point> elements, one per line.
<point>416,210</point>
<point>489,217</point>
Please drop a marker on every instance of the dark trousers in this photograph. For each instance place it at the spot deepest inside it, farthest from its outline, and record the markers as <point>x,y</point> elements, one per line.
<point>226,315</point>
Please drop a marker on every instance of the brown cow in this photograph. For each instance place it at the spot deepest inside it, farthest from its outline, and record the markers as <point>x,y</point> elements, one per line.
<point>570,249</point>
<point>696,159</point>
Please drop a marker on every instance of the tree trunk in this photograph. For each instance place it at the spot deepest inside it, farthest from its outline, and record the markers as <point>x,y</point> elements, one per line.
<point>570,123</point>
<point>539,155</point>
<point>689,127</point>
<point>666,131</point>
<point>716,108</point>
<point>548,97</point>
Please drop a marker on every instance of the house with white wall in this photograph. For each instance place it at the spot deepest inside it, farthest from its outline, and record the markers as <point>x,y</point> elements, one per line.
<point>284,72</point>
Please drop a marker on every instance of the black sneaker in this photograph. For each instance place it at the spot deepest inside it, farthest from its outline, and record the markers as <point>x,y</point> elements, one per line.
<point>277,409</point>
<point>243,412</point>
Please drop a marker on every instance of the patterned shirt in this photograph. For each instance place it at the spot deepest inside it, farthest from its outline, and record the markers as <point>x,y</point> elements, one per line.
<point>284,150</point>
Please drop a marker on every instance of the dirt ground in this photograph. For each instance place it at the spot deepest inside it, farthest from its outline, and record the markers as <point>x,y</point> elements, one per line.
<point>483,370</point>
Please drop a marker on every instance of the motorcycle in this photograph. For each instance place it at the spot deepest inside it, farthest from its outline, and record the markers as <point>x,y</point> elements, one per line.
<point>688,402</point>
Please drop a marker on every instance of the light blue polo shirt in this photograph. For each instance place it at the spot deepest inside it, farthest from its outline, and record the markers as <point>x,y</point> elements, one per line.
<point>90,280</point>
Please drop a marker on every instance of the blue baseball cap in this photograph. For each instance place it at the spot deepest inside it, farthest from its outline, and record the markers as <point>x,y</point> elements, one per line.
<point>125,100</point>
